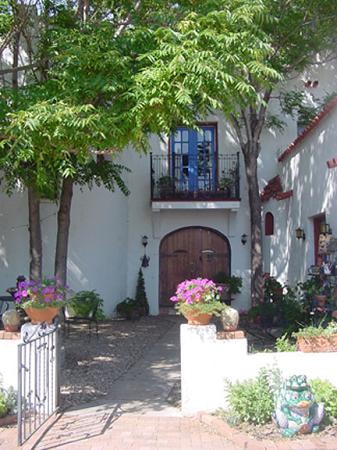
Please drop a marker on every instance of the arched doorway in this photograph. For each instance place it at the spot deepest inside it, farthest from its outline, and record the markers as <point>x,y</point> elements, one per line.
<point>189,253</point>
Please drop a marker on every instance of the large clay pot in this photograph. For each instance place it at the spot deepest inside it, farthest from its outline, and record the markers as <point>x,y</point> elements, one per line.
<point>38,315</point>
<point>317,344</point>
<point>230,319</point>
<point>11,320</point>
<point>195,318</point>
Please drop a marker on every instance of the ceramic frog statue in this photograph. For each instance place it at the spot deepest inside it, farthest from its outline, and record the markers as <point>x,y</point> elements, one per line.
<point>296,410</point>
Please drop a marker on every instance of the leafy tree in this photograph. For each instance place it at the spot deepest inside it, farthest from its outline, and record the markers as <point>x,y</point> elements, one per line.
<point>231,56</point>
<point>80,101</point>
<point>131,68</point>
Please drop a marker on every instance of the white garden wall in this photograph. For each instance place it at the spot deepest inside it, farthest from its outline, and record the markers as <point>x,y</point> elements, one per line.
<point>206,362</point>
<point>9,362</point>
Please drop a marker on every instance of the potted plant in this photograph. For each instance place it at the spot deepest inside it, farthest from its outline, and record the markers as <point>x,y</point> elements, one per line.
<point>230,284</point>
<point>225,184</point>
<point>128,309</point>
<point>317,339</point>
<point>41,300</point>
<point>197,300</point>
<point>166,186</point>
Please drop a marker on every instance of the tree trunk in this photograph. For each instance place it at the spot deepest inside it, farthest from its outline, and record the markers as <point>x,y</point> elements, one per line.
<point>35,238</point>
<point>250,156</point>
<point>63,226</point>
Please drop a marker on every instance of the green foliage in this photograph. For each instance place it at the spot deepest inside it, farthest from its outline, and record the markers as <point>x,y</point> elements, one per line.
<point>212,308</point>
<point>325,392</point>
<point>273,290</point>
<point>8,400</point>
<point>128,309</point>
<point>252,400</point>
<point>285,344</point>
<point>83,304</point>
<point>140,297</point>
<point>6,18</point>
<point>3,405</point>
<point>315,331</point>
<point>231,281</point>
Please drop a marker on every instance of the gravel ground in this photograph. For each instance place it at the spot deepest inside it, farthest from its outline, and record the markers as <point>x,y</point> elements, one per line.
<point>91,365</point>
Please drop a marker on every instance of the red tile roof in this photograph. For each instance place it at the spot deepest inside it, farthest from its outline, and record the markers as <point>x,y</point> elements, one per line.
<point>274,189</point>
<point>313,124</point>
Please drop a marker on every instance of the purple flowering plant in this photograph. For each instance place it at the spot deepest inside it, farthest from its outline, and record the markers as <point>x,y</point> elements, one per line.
<point>200,295</point>
<point>41,294</point>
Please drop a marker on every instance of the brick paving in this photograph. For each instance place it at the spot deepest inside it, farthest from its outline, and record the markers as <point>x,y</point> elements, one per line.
<point>125,432</point>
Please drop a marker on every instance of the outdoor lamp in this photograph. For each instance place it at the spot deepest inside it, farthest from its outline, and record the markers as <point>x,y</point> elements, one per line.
<point>300,233</point>
<point>244,239</point>
<point>144,241</point>
<point>325,228</point>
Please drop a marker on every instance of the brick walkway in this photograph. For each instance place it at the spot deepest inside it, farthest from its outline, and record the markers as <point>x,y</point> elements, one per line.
<point>127,432</point>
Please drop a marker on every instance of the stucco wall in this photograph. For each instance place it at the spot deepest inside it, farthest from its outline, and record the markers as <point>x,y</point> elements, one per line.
<point>314,189</point>
<point>207,362</point>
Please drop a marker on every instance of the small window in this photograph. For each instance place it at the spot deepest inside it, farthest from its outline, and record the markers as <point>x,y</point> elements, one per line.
<point>269,224</point>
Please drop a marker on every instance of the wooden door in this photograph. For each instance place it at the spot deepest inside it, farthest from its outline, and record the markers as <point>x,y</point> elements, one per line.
<point>191,253</point>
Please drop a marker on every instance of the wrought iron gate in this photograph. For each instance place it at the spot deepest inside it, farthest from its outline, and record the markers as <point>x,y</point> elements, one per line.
<point>38,383</point>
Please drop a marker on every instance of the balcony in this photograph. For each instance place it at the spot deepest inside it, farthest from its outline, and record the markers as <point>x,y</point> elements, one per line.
<point>182,181</point>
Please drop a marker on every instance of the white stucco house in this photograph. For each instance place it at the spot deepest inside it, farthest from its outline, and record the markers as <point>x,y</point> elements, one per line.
<point>306,179</point>
<point>189,198</point>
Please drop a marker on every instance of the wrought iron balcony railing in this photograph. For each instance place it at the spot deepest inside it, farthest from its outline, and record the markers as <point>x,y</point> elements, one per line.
<point>182,177</point>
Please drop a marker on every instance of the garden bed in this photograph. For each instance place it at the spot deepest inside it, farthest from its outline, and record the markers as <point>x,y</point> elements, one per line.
<point>268,439</point>
<point>269,430</point>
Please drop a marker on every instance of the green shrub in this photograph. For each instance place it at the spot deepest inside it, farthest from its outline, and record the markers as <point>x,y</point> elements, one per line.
<point>80,305</point>
<point>325,392</point>
<point>140,297</point>
<point>251,400</point>
<point>284,344</point>
<point>3,405</point>
<point>129,309</point>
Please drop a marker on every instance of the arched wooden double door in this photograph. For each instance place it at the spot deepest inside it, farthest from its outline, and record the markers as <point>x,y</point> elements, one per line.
<point>190,253</point>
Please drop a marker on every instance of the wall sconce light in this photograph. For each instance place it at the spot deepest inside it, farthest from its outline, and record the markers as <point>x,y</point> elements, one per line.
<point>244,238</point>
<point>325,228</point>
<point>300,233</point>
<point>145,259</point>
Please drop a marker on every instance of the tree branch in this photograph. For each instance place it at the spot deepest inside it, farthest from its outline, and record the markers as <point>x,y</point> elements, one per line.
<point>18,68</point>
<point>127,20</point>
<point>262,115</point>
<point>238,131</point>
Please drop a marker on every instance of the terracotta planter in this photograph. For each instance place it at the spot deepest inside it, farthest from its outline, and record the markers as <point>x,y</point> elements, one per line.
<point>317,344</point>
<point>195,318</point>
<point>38,315</point>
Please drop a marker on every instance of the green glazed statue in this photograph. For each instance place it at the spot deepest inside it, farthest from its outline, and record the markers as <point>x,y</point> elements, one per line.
<point>296,411</point>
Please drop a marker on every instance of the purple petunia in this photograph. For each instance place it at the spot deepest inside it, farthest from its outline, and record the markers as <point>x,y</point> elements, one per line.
<point>195,291</point>
<point>45,292</point>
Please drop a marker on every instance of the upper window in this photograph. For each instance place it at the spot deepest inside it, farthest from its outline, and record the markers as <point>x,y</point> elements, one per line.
<point>269,224</point>
<point>193,162</point>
